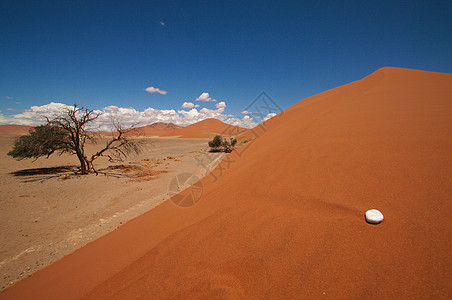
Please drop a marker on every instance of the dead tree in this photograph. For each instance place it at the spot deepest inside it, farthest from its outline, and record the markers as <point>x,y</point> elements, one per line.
<point>67,132</point>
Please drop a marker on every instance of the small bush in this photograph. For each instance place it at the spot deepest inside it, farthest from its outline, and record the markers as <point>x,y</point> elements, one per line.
<point>222,145</point>
<point>216,142</point>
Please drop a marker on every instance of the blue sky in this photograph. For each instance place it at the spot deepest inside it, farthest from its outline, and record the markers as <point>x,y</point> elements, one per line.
<point>106,53</point>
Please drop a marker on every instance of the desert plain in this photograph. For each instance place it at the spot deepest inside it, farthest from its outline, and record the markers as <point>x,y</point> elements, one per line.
<point>47,210</point>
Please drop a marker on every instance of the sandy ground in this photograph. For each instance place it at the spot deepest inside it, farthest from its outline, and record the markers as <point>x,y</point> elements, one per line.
<point>44,217</point>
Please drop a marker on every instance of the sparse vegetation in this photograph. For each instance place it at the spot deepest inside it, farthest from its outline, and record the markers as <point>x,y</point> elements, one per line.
<point>44,140</point>
<point>65,176</point>
<point>137,171</point>
<point>219,144</point>
<point>245,141</point>
<point>67,132</point>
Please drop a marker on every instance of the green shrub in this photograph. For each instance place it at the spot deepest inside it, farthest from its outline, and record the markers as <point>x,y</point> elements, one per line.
<point>41,141</point>
<point>222,145</point>
<point>216,142</point>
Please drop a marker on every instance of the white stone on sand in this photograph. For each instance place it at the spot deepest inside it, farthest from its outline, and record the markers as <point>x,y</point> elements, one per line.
<point>374,216</point>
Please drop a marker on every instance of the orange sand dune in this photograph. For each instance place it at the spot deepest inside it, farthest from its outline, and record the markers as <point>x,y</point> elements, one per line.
<point>206,129</point>
<point>284,217</point>
<point>14,130</point>
<point>155,129</point>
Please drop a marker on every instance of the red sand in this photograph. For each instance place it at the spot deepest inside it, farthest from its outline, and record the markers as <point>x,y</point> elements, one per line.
<point>14,130</point>
<point>286,218</point>
<point>155,129</point>
<point>206,129</point>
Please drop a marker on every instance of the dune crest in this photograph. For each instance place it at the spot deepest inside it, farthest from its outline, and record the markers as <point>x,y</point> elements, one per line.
<point>206,129</point>
<point>155,129</point>
<point>285,218</point>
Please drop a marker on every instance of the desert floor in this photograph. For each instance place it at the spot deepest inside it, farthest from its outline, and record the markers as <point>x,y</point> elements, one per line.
<point>48,211</point>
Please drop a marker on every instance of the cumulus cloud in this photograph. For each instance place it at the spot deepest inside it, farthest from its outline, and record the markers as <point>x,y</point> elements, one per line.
<point>269,116</point>
<point>246,121</point>
<point>128,116</point>
<point>211,111</point>
<point>245,112</point>
<point>205,97</point>
<point>189,105</point>
<point>152,89</point>
<point>35,115</point>
<point>220,105</point>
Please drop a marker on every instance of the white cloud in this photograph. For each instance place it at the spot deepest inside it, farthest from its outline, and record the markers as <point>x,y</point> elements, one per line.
<point>246,122</point>
<point>10,109</point>
<point>212,111</point>
<point>220,105</point>
<point>269,116</point>
<point>245,112</point>
<point>189,105</point>
<point>35,115</point>
<point>152,89</point>
<point>205,97</point>
<point>162,23</point>
<point>193,115</point>
<point>128,116</point>
<point>8,97</point>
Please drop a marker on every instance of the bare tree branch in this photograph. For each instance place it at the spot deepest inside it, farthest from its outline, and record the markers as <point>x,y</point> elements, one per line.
<point>67,132</point>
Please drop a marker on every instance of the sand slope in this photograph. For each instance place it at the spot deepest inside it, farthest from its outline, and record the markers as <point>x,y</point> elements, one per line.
<point>284,218</point>
<point>14,130</point>
<point>206,129</point>
<point>155,129</point>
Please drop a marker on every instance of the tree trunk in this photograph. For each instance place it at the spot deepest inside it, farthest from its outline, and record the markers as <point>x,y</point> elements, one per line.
<point>90,166</point>
<point>83,165</point>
